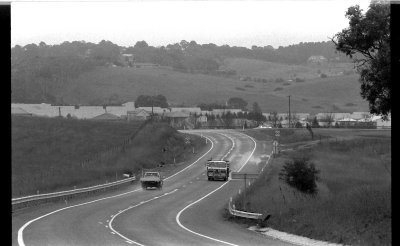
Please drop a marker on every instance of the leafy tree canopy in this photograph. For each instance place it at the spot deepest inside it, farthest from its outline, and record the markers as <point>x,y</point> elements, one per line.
<point>148,101</point>
<point>237,102</point>
<point>367,41</point>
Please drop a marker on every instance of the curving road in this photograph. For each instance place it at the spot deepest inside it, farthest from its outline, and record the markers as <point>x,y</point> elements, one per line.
<point>187,211</point>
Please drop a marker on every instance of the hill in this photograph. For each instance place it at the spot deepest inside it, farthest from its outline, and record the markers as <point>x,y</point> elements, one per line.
<point>338,93</point>
<point>51,154</point>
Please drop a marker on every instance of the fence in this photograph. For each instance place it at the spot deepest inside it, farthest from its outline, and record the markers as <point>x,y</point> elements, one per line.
<point>112,150</point>
<point>27,201</point>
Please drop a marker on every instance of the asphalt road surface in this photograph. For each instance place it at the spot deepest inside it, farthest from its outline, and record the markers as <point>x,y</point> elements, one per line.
<point>187,211</point>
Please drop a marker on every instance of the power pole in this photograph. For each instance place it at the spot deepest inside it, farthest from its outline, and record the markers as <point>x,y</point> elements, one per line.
<point>289,111</point>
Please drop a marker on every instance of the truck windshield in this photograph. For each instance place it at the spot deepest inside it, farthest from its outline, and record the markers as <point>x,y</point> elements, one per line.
<point>151,174</point>
<point>217,164</point>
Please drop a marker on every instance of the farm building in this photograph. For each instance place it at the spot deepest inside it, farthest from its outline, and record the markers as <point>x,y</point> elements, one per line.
<point>107,116</point>
<point>19,112</point>
<point>138,114</point>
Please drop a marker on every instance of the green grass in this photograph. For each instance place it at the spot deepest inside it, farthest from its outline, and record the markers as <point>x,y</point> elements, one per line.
<point>353,204</point>
<point>270,70</point>
<point>192,89</point>
<point>47,152</point>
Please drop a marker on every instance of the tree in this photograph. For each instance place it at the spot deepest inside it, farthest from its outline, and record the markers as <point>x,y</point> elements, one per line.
<point>257,114</point>
<point>367,42</point>
<point>237,102</point>
<point>274,118</point>
<point>148,101</point>
<point>315,123</point>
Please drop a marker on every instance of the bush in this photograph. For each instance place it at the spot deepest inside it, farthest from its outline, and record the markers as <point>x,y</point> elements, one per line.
<point>300,80</point>
<point>279,80</point>
<point>300,174</point>
<point>322,75</point>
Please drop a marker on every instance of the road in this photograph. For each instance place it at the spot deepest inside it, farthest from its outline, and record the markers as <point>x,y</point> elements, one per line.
<point>187,211</point>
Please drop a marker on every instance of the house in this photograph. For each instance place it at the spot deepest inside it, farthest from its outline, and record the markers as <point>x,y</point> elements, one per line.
<point>138,114</point>
<point>202,119</point>
<point>177,119</point>
<point>155,110</point>
<point>128,59</point>
<point>380,123</point>
<point>19,112</point>
<point>317,59</point>
<point>106,116</point>
<point>116,110</point>
<point>360,115</point>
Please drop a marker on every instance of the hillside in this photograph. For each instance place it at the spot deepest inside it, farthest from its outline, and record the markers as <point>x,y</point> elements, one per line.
<point>51,154</point>
<point>338,93</point>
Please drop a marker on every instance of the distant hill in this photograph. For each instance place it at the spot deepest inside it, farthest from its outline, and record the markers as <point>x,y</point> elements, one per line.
<point>186,73</point>
<point>339,93</point>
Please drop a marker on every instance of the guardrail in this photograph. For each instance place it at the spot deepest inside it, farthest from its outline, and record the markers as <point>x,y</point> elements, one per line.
<point>36,199</point>
<point>243,214</point>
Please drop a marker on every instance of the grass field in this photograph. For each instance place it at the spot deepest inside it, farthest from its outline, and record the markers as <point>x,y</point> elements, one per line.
<point>270,70</point>
<point>339,93</point>
<point>47,152</point>
<point>353,204</point>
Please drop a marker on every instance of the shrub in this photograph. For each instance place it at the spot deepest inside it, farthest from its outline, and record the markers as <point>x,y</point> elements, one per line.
<point>300,174</point>
<point>298,125</point>
<point>300,80</point>
<point>323,75</point>
<point>279,80</point>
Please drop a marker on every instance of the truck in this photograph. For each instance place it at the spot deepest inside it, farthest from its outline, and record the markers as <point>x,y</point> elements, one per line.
<point>151,180</point>
<point>217,170</point>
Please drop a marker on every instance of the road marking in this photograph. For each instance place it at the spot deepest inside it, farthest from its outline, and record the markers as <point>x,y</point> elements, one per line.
<point>21,230</point>
<point>191,204</point>
<point>137,205</point>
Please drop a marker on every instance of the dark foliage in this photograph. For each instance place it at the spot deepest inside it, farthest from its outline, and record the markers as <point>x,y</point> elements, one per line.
<point>300,174</point>
<point>367,41</point>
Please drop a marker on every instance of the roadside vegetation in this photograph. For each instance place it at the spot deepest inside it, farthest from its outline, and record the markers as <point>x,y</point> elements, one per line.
<point>352,199</point>
<point>52,154</point>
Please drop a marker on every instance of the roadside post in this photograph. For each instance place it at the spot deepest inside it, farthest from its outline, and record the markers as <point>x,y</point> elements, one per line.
<point>244,176</point>
<point>244,192</point>
<point>276,142</point>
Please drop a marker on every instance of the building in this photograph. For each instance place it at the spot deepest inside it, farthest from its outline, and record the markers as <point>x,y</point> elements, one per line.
<point>155,110</point>
<point>193,110</point>
<point>178,119</point>
<point>317,59</point>
<point>138,114</point>
<point>380,123</point>
<point>107,117</point>
<point>19,112</point>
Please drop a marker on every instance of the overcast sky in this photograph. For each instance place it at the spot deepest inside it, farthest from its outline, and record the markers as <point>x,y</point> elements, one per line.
<point>236,23</point>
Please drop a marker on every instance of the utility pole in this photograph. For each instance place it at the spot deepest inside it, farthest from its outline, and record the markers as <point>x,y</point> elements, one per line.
<point>289,111</point>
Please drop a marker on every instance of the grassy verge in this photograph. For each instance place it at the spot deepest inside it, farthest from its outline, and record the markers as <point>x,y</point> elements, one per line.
<point>353,204</point>
<point>47,153</point>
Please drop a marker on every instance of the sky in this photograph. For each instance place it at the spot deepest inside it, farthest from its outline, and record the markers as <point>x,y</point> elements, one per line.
<point>162,22</point>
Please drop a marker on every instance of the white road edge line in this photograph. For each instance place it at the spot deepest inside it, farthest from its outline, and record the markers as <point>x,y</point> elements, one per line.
<point>21,230</point>
<point>122,211</point>
<point>180,212</point>
<point>131,241</point>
